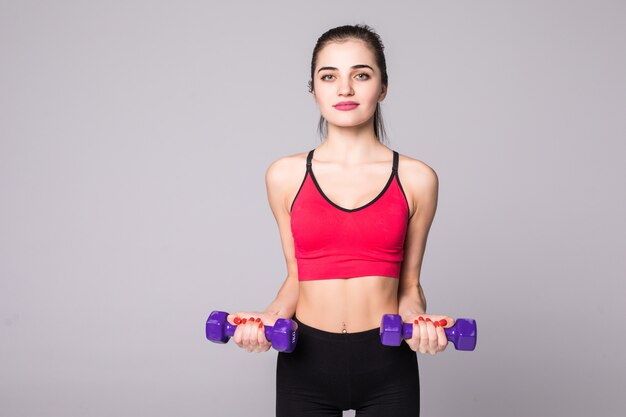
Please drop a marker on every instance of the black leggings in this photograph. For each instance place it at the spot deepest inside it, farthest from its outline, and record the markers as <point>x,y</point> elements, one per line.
<point>330,372</point>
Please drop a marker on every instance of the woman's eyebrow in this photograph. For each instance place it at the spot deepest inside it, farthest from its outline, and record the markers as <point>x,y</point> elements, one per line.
<point>352,67</point>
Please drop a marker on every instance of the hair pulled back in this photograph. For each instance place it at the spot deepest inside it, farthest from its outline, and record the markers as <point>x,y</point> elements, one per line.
<point>353,32</point>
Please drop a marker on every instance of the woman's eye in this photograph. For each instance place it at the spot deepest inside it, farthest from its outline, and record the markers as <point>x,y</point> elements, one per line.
<point>366,75</point>
<point>324,76</point>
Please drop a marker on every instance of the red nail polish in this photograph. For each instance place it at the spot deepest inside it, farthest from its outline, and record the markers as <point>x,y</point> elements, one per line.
<point>237,320</point>
<point>258,320</point>
<point>421,318</point>
<point>260,325</point>
<point>436,324</point>
<point>251,318</point>
<point>428,319</point>
<point>416,321</point>
<point>443,322</point>
<point>243,321</point>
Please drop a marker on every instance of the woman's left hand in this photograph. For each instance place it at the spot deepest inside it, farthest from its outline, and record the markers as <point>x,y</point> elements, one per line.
<point>428,334</point>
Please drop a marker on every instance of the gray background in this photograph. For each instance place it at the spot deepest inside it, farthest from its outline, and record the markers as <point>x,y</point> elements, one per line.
<point>134,140</point>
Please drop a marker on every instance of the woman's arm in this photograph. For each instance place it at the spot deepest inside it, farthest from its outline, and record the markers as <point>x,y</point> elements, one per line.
<point>281,179</point>
<point>423,185</point>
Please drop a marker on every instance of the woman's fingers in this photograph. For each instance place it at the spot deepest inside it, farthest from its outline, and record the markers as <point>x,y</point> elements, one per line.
<point>433,346</point>
<point>424,336</point>
<point>429,335</point>
<point>239,319</point>
<point>442,339</point>
<point>264,344</point>
<point>446,321</point>
<point>250,332</point>
<point>233,319</point>
<point>248,341</point>
<point>257,337</point>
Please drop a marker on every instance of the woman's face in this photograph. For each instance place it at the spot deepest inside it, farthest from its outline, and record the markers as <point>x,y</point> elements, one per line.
<point>347,71</point>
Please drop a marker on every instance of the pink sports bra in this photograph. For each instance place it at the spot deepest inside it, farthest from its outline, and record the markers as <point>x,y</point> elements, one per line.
<point>334,242</point>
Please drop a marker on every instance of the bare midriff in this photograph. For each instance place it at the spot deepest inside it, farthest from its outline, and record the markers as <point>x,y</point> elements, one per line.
<point>347,305</point>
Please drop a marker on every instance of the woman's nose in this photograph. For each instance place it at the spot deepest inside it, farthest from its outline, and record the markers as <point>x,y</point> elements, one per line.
<point>345,87</point>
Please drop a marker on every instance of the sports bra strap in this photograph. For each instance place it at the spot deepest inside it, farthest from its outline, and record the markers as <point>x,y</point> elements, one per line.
<point>308,159</point>
<point>395,161</point>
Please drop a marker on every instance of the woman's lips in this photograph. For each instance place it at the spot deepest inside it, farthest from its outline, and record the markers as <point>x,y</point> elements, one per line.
<point>347,106</point>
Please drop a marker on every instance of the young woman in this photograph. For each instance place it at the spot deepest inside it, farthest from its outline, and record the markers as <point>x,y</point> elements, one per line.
<point>353,217</point>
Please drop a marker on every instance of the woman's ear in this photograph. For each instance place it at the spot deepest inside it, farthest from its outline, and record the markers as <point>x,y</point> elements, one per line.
<point>383,93</point>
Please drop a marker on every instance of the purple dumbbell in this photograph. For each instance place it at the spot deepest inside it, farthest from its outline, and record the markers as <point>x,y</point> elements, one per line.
<point>393,331</point>
<point>283,335</point>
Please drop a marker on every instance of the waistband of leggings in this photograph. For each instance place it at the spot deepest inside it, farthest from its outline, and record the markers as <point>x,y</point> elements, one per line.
<point>322,334</point>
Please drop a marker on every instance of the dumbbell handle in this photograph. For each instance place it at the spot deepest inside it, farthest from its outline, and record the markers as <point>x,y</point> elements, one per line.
<point>229,330</point>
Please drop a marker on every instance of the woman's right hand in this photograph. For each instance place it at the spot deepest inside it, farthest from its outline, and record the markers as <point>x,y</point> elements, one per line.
<point>250,332</point>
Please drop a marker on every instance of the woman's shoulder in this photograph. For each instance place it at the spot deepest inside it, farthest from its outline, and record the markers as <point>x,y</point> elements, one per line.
<point>286,169</point>
<point>414,166</point>
<point>416,173</point>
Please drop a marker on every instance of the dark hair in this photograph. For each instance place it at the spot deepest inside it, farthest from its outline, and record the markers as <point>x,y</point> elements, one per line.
<point>344,33</point>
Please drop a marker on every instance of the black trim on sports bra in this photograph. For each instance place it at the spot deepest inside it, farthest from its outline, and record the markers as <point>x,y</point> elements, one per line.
<point>396,157</point>
<point>394,171</point>
<point>308,165</point>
